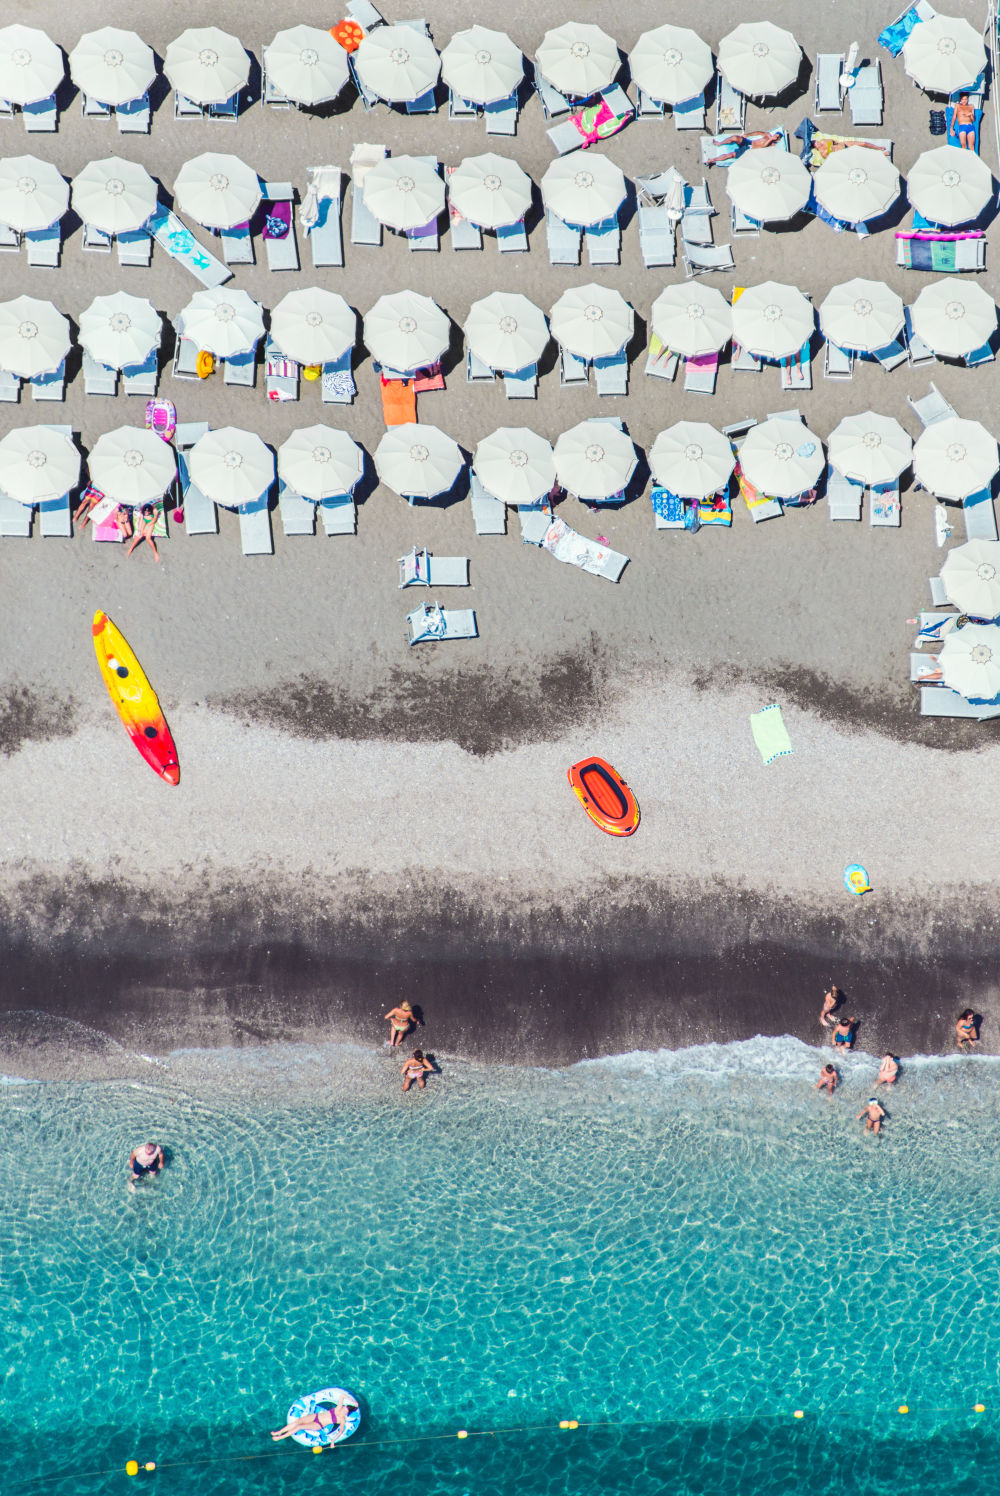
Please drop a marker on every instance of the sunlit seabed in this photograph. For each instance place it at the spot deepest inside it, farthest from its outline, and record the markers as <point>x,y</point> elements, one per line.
<point>679,1249</point>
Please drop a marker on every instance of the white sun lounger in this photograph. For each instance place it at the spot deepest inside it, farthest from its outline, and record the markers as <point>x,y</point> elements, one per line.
<point>364,12</point>
<point>464,235</point>
<point>552,101</point>
<point>10,387</point>
<point>939,592</point>
<point>135,248</point>
<point>255,528</point>
<point>10,239</point>
<point>829,91</point>
<point>339,515</point>
<point>42,117</point>
<point>569,546</point>
<point>939,701</point>
<point>298,515</point>
<point>95,240</point>
<point>181,245</point>
<point>842,496</point>
<point>838,363</point>
<point>931,407</point>
<point>15,518</point>
<point>604,243</point>
<point>489,514</point>
<point>55,520</point>
<point>691,114</point>
<point>521,384</point>
<point>44,247</point>
<point>730,106</point>
<point>866,98</point>
<point>200,514</point>
<point>141,379</point>
<point>430,623</point>
<point>512,238</point>
<point>185,358</point>
<point>98,379</point>
<point>501,116</point>
<point>980,516</point>
<point>418,568</point>
<point>50,386</point>
<point>572,370</point>
<point>534,522</point>
<point>700,259</point>
<point>237,245</point>
<point>459,108</point>
<point>282,254</point>
<point>657,235</point>
<point>365,227</point>
<point>563,241</point>
<point>241,369</point>
<point>135,117</point>
<point>611,375</point>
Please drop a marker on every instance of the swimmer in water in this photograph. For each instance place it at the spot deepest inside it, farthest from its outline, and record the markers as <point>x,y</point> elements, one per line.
<point>887,1071</point>
<point>828,1081</point>
<point>316,1422</point>
<point>873,1112</point>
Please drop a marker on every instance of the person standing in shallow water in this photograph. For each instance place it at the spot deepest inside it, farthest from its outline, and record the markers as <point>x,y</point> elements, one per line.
<point>831,1000</point>
<point>416,1069</point>
<point>873,1112</point>
<point>887,1071</point>
<point>146,1160</point>
<point>965,1030</point>
<point>828,1081</point>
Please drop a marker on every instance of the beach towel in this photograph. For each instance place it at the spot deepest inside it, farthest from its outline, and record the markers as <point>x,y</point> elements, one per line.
<point>430,378</point>
<point>893,37</point>
<point>953,139</point>
<point>716,510</point>
<point>770,733</point>
<point>278,221</point>
<point>934,252</point>
<point>399,401</point>
<point>823,146</point>
<point>597,122</point>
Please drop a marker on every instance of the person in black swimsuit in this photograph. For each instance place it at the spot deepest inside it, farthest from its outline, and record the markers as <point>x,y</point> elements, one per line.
<point>145,1160</point>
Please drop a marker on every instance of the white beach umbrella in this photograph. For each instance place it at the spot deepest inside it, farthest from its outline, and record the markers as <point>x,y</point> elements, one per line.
<point>114,195</point>
<point>217,190</point>
<point>120,330</point>
<point>692,459</point>
<point>418,461</point>
<point>955,458</point>
<point>33,193</point>
<point>856,184</point>
<point>37,463</point>
<point>583,190</point>
<point>313,325</point>
<point>954,316</point>
<point>970,661</point>
<point>507,331</point>
<point>223,321</point>
<point>31,65</point>
<point>949,185</point>
<point>398,63</point>
<point>307,65</point>
<point>671,64</point>
<point>690,318</point>
<point>759,59</point>
<point>490,190</point>
<point>772,320</point>
<point>482,66</point>
<point>971,576</point>
<point>206,65</point>
<point>34,337</point>
<point>592,321</point>
<point>861,315</point>
<point>578,59</point>
<point>112,65</point>
<point>232,467</point>
<point>320,461</point>
<point>404,192</point>
<point>406,331</point>
<point>870,448</point>
<point>594,460</point>
<point>781,457</point>
<point>944,54</point>
<point>132,465</point>
<point>769,184</point>
<point>515,465</point>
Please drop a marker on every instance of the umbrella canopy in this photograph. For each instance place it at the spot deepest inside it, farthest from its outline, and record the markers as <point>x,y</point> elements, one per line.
<point>594,460</point>
<point>772,320</point>
<point>862,315</point>
<point>313,326</point>
<point>418,461</point>
<point>592,321</point>
<point>759,59</point>
<point>515,465</point>
<point>769,184</point>
<point>206,65</point>
<point>869,448</point>
<point>120,330</point>
<point>507,331</point>
<point>490,190</point>
<point>37,463</point>
<point>578,59</point>
<point>583,191</point>
<point>232,467</point>
<point>223,321</point>
<point>397,63</point>
<point>320,461</point>
<point>856,184</point>
<point>690,318</point>
<point>132,465</point>
<point>970,661</point>
<point>31,65</point>
<point>404,192</point>
<point>218,191</point>
<point>954,316</point>
<point>33,193</point>
<point>949,185</point>
<point>781,457</point>
<point>692,459</point>
<point>114,195</point>
<point>971,576</point>
<point>112,65</point>
<point>34,337</point>
<point>406,331</point>
<point>671,64</point>
<point>955,458</point>
<point>482,66</point>
<point>944,54</point>
<point>307,65</point>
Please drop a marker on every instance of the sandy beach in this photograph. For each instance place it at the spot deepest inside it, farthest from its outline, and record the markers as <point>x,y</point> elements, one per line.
<point>356,818</point>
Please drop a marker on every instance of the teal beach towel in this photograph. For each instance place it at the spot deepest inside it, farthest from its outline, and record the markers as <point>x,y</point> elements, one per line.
<point>770,733</point>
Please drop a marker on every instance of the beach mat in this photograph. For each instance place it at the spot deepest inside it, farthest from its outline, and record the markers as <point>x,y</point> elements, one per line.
<point>770,733</point>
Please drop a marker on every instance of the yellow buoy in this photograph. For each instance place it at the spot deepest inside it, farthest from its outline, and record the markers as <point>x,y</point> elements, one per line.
<point>798,1413</point>
<point>979,1408</point>
<point>312,372</point>
<point>903,1408</point>
<point>463,1433</point>
<point>132,1468</point>
<point>572,1423</point>
<point>564,1423</point>
<point>149,1465</point>
<point>317,1449</point>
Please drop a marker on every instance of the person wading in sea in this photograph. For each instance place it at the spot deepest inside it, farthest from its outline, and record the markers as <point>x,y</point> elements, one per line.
<point>873,1111</point>
<point>828,1081</point>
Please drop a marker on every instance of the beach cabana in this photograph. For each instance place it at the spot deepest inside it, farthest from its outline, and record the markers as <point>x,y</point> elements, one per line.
<point>782,458</point>
<point>944,54</point>
<point>870,449</point>
<point>217,190</point>
<point>37,464</point>
<point>583,192</point>
<point>114,195</point>
<point>397,63</point>
<point>773,320</point>
<point>131,465</point>
<point>406,331</point>
<point>232,467</point>
<point>954,317</point>
<point>491,191</point>
<point>592,321</point>
<point>307,65</point>
<point>855,184</point>
<point>404,192</point>
<point>692,460</point>
<point>970,661</point>
<point>120,331</point>
<point>954,458</point>
<point>506,331</point>
<point>971,577</point>
<point>34,194</point>
<point>692,319</point>
<point>418,461</point>
<point>34,337</point>
<point>112,65</point>
<point>206,65</point>
<point>223,321</point>
<point>769,185</point>
<point>31,65</point>
<point>671,64</point>
<point>313,325</point>
<point>948,185</point>
<point>595,461</point>
<point>861,315</point>
<point>515,465</point>
<point>759,59</point>
<point>320,462</point>
<point>482,66</point>
<point>578,59</point>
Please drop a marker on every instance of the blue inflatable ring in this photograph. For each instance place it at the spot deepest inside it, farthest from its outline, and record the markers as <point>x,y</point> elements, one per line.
<point>327,1397</point>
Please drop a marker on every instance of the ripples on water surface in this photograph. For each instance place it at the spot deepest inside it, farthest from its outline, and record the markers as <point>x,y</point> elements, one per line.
<point>686,1248</point>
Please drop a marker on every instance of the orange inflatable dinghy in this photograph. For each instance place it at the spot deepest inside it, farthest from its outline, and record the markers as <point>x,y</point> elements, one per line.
<point>605,796</point>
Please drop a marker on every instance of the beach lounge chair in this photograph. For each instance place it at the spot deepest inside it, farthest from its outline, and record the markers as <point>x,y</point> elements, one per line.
<point>565,138</point>
<point>228,110</point>
<point>185,364</point>
<point>611,374</point>
<point>796,373</point>
<point>743,361</point>
<point>298,515</point>
<point>983,355</point>
<point>95,240</point>
<point>279,226</point>
<point>181,245</point>
<point>522,384</point>
<point>829,91</point>
<point>10,387</point>
<point>50,386</point>
<point>742,227</point>
<point>696,220</point>
<point>501,116</point>
<point>339,514</point>
<point>135,117</point>
<point>55,519</point>
<point>418,568</point>
<point>489,514</point>
<point>980,516</point>
<point>141,379</point>
<point>270,93</point>
<point>660,362</point>
<point>572,370</point>
<point>604,243</point>
<point>939,592</point>
<point>135,248</point>
<point>738,431</point>
<point>931,407</point>
<point>730,106</point>
<point>572,548</point>
<point>364,12</point>
<point>701,259</point>
<point>476,372</point>
<point>365,227</point>
<point>427,102</point>
<point>690,115</point>
<point>326,236</point>
<point>237,245</point>
<point>918,351</point>
<point>939,701</point>
<point>426,237</point>
<point>93,108</point>
<point>925,669</point>
<point>10,239</point>
<point>186,108</point>
<point>42,117</point>
<point>98,379</point>
<point>552,101</point>
<point>512,238</point>
<point>883,506</point>
<point>534,520</point>
<point>431,623</point>
<point>240,369</point>
<point>200,514</point>
<point>44,247</point>
<point>892,355</point>
<point>657,235</point>
<point>700,374</point>
<point>866,98</point>
<point>256,535</point>
<point>647,107</point>
<point>15,518</point>
<point>563,240</point>
<point>935,627</point>
<point>464,235</point>
<point>399,402</point>
<point>337,382</point>
<point>843,497</point>
<point>459,108</point>
<point>281,374</point>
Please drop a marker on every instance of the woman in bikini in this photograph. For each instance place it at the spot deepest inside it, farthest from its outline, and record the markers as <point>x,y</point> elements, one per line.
<point>400,1020</point>
<point>416,1069</point>
<point>831,1000</point>
<point>144,531</point>
<point>321,1419</point>
<point>965,1029</point>
<point>887,1071</point>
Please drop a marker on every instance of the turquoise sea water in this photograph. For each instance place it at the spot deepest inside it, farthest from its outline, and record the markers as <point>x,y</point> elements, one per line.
<point>677,1251</point>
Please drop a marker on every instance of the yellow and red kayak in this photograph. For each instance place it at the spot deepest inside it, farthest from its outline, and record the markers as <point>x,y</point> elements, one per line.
<point>135,699</point>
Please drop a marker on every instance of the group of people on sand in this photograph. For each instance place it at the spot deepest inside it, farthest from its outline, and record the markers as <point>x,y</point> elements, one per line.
<point>401,1020</point>
<point>123,519</point>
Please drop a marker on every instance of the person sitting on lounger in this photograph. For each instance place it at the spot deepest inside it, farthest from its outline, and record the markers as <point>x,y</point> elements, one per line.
<point>735,145</point>
<point>144,531</point>
<point>90,497</point>
<point>964,123</point>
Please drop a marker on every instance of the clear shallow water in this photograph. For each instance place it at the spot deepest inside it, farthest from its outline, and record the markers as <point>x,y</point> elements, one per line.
<point>680,1250</point>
